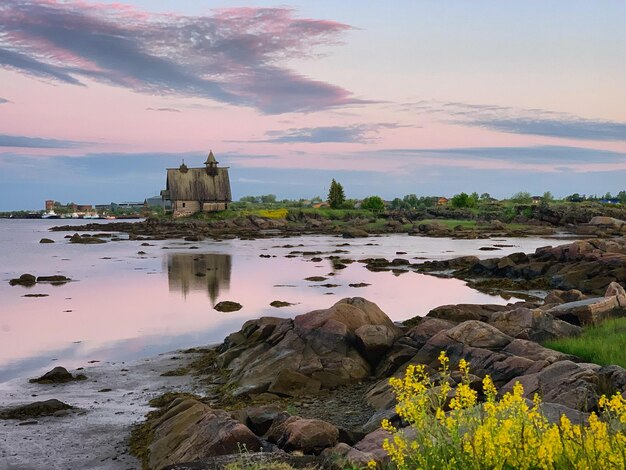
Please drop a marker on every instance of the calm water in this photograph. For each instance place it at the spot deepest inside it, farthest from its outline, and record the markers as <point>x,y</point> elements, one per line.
<point>123,305</point>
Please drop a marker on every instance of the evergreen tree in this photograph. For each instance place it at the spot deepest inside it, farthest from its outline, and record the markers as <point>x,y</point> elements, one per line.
<point>336,196</point>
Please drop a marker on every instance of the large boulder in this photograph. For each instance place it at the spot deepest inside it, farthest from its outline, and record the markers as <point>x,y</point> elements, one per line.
<point>322,345</point>
<point>190,430</point>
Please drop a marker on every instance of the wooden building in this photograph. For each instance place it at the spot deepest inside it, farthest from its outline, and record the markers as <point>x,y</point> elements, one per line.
<point>193,190</point>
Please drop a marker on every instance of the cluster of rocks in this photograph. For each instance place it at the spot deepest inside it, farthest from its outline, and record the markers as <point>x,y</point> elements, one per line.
<point>29,280</point>
<point>354,342</point>
<point>586,265</point>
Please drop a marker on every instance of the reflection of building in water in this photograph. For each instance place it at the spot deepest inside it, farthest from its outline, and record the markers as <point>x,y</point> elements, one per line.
<point>206,272</point>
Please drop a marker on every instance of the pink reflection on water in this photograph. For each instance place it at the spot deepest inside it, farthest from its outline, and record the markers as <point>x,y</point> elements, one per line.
<point>124,306</point>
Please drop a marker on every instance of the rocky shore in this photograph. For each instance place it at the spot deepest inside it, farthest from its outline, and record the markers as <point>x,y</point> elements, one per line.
<point>582,223</point>
<point>259,227</point>
<point>313,390</point>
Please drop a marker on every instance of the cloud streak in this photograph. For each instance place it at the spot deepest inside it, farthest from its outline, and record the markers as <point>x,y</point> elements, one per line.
<point>353,134</point>
<point>512,120</point>
<point>164,110</point>
<point>233,56</point>
<point>19,141</point>
<point>3,100</point>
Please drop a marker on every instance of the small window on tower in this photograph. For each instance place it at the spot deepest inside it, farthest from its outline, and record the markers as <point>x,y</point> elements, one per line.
<point>183,204</point>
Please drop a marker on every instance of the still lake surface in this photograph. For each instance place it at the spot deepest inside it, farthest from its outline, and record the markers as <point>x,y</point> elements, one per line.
<point>122,305</point>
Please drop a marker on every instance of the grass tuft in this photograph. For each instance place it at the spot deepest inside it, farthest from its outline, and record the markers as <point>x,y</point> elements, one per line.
<point>603,344</point>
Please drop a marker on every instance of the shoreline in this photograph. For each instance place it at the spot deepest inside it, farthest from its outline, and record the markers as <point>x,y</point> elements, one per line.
<point>114,398</point>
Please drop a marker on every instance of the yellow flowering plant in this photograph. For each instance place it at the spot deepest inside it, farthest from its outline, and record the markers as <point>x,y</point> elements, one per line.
<point>450,429</point>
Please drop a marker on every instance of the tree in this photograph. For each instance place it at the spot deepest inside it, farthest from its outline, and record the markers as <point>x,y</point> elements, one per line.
<point>268,198</point>
<point>622,197</point>
<point>397,204</point>
<point>547,197</point>
<point>485,196</point>
<point>336,196</point>
<point>373,203</point>
<point>575,198</point>
<point>462,200</point>
<point>522,197</point>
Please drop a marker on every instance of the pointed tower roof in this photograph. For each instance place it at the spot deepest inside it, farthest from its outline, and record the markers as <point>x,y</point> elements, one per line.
<point>210,159</point>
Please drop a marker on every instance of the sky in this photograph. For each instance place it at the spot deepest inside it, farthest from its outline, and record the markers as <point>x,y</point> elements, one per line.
<point>389,98</point>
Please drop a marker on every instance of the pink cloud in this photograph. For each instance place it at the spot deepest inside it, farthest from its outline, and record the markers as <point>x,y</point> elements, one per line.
<point>233,56</point>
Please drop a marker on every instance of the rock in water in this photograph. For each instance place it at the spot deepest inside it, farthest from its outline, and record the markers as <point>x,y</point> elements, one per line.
<point>58,375</point>
<point>26,280</point>
<point>57,278</point>
<point>228,306</point>
<point>46,240</point>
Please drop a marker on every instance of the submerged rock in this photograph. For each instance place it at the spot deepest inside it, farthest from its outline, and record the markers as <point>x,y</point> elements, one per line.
<point>280,304</point>
<point>228,306</point>
<point>57,278</point>
<point>85,239</point>
<point>46,240</point>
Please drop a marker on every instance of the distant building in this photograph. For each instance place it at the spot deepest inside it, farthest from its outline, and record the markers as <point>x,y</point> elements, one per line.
<point>610,201</point>
<point>49,205</point>
<point>537,199</point>
<point>442,201</point>
<point>157,201</point>
<point>84,207</point>
<point>193,190</point>
<point>135,206</point>
<point>101,208</point>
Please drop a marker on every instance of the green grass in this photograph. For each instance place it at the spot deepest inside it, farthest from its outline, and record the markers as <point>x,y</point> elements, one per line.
<point>603,344</point>
<point>450,223</point>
